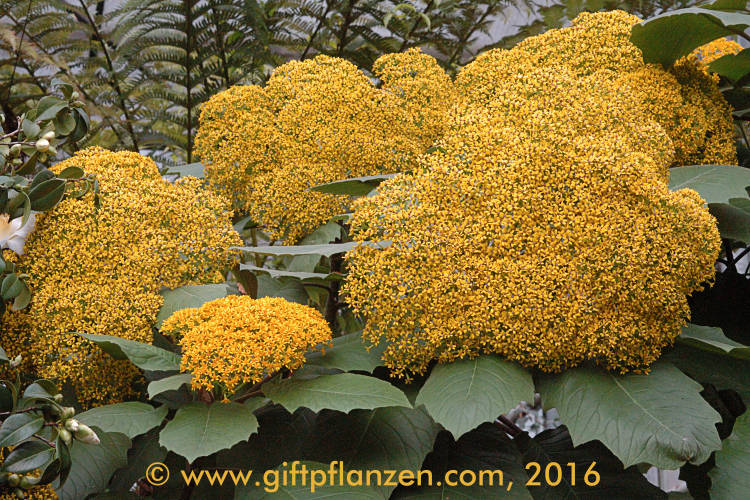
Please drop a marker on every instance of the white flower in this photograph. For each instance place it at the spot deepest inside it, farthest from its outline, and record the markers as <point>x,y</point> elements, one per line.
<point>12,234</point>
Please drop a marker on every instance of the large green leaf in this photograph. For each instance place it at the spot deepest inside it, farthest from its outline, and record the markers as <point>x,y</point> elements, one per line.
<point>356,186</point>
<point>188,296</point>
<point>486,448</point>
<point>464,394</point>
<point>168,384</point>
<point>287,288</point>
<point>298,491</point>
<point>342,392</point>
<point>28,456</point>
<point>348,353</point>
<point>386,438</point>
<point>144,356</point>
<point>93,465</point>
<point>554,447</point>
<point>199,429</point>
<point>730,478</point>
<point>715,183</point>
<point>708,367</point>
<point>735,67</point>
<point>187,170</point>
<point>144,451</point>
<point>19,427</point>
<point>659,418</point>
<point>667,37</point>
<point>733,222</point>
<point>300,275</point>
<point>325,250</point>
<point>712,339</point>
<point>131,418</point>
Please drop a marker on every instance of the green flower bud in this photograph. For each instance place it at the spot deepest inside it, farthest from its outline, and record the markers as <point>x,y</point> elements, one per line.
<point>58,398</point>
<point>85,435</point>
<point>74,96</point>
<point>14,480</point>
<point>66,436</point>
<point>72,425</point>
<point>42,145</point>
<point>15,150</point>
<point>67,413</point>
<point>19,493</point>
<point>49,135</point>
<point>28,482</point>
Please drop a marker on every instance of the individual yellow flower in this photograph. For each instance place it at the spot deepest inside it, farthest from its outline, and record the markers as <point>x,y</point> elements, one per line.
<point>541,229</point>
<point>318,121</point>
<point>96,265</point>
<point>684,100</point>
<point>237,339</point>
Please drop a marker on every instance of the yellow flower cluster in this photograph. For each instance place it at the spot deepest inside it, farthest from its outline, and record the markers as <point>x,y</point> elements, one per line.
<point>318,121</point>
<point>96,265</point>
<point>685,100</point>
<point>237,339</point>
<point>541,229</point>
<point>712,51</point>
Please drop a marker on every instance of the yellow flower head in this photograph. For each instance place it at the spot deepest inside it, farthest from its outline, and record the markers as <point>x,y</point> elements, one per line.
<point>542,229</point>
<point>712,51</point>
<point>96,265</point>
<point>684,100</point>
<point>318,121</point>
<point>238,339</point>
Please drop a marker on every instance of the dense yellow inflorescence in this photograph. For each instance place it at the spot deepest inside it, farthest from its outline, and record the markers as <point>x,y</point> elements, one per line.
<point>684,100</point>
<point>541,229</point>
<point>318,121</point>
<point>712,51</point>
<point>237,339</point>
<point>96,265</point>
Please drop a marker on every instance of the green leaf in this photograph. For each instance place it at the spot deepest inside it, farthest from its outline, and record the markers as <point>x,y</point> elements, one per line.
<point>395,438</point>
<point>188,170</point>
<point>299,491</point>
<point>659,418</point>
<point>131,418</point>
<point>48,107</point>
<point>665,38</point>
<point>712,339</point>
<point>93,465</point>
<point>733,222</point>
<point>348,353</point>
<point>3,355</point>
<point>342,392</point>
<point>323,250</point>
<point>734,67</point>
<point>11,286</point>
<point>188,296</point>
<point>715,183</point>
<point>168,384</point>
<point>730,477</point>
<point>555,447</point>
<point>289,289</point>
<point>23,298</point>
<point>486,448</point>
<point>144,451</point>
<point>198,429</point>
<point>144,356</point>
<point>30,129</point>
<point>357,186</point>
<point>72,173</point>
<point>300,275</point>
<point>46,195</point>
<point>19,427</point>
<point>707,367</point>
<point>28,456</point>
<point>466,393</point>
